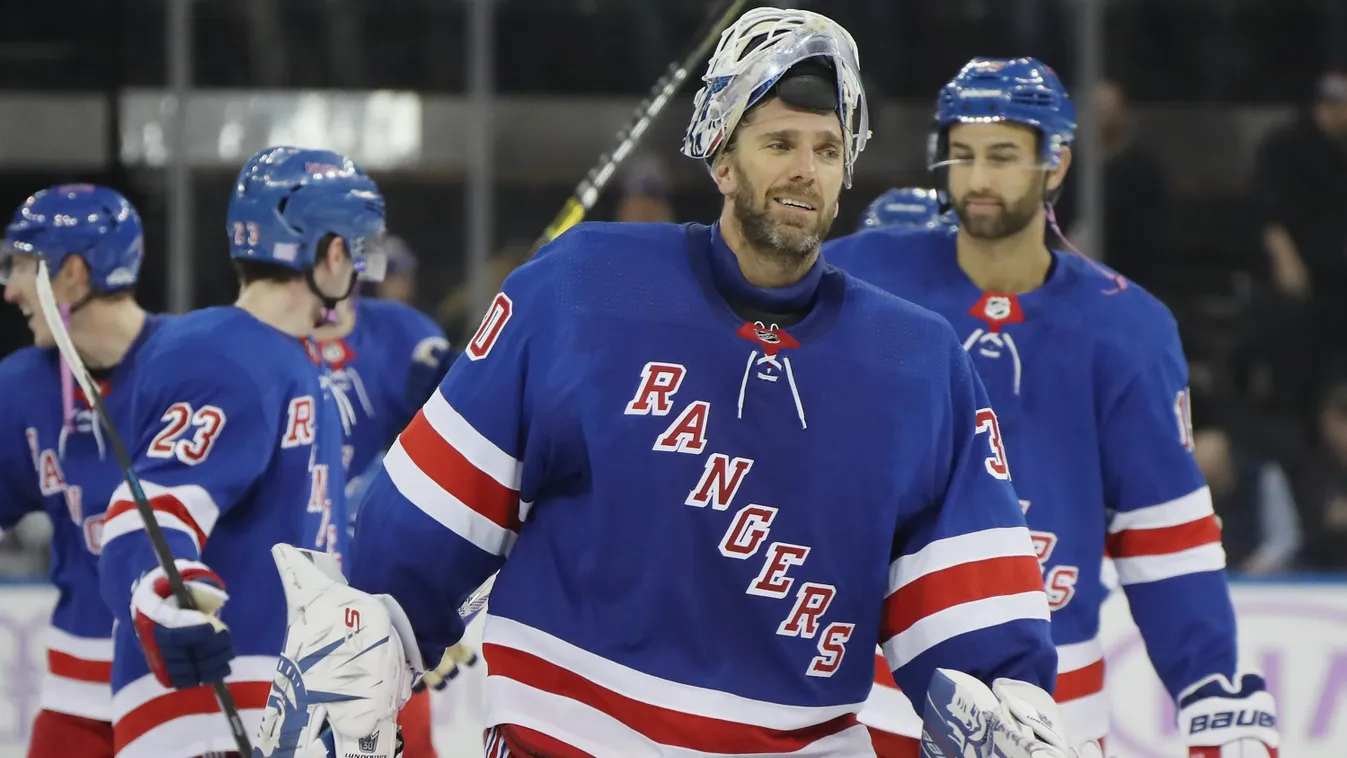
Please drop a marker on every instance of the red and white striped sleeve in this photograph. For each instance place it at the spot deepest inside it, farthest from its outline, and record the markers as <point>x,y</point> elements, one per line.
<point>965,590</point>
<point>1163,535</point>
<point>1169,539</point>
<point>958,585</point>
<point>445,510</point>
<point>186,509</point>
<point>204,434</point>
<point>458,477</point>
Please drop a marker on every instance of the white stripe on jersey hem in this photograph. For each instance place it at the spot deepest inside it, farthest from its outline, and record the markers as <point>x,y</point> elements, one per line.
<point>84,648</point>
<point>1077,655</point>
<point>960,619</point>
<point>130,521</point>
<point>245,668</point>
<point>447,510</point>
<point>193,497</point>
<point>946,553</point>
<point>653,690</point>
<point>1191,507</point>
<point>1085,718</point>
<point>481,452</point>
<point>596,733</point>
<point>889,710</point>
<point>88,700</point>
<point>1153,568</point>
<point>192,736</point>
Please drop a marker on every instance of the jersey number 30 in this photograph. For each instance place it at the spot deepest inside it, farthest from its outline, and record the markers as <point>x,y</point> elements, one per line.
<point>171,442</point>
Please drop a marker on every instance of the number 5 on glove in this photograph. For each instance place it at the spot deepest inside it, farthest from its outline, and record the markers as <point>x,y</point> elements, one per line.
<point>184,648</point>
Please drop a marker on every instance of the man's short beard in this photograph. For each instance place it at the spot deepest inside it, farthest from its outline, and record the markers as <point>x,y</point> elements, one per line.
<point>1012,219</point>
<point>786,243</point>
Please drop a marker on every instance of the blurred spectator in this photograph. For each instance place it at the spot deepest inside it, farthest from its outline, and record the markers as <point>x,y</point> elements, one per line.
<point>399,281</point>
<point>1324,487</point>
<point>1302,180</point>
<point>1260,526</point>
<point>1136,195</point>
<point>1301,183</point>
<point>645,193</point>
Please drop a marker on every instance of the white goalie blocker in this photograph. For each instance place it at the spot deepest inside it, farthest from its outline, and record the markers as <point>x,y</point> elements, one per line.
<point>347,668</point>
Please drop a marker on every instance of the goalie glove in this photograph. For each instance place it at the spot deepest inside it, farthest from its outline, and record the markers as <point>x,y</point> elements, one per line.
<point>345,671</point>
<point>184,648</point>
<point>1221,720</point>
<point>963,718</point>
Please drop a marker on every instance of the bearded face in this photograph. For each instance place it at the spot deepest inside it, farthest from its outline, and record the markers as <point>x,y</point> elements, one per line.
<point>990,215</point>
<point>789,221</point>
<point>782,179</point>
<point>997,182</point>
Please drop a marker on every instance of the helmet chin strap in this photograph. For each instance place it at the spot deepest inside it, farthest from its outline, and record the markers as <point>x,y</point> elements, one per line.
<point>329,315</point>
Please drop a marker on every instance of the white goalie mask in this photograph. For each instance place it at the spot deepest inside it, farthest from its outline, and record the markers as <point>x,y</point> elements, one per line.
<point>752,56</point>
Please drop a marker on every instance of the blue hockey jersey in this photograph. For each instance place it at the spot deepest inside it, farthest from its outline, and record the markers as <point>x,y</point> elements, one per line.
<point>372,366</point>
<point>70,472</point>
<point>708,522</point>
<point>1089,381</point>
<point>237,443</point>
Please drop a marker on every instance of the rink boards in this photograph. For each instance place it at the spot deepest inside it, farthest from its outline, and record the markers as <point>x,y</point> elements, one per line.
<point>1293,630</point>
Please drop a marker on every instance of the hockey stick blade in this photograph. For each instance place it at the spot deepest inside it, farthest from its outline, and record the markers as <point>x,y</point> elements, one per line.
<point>587,192</point>
<point>51,312</point>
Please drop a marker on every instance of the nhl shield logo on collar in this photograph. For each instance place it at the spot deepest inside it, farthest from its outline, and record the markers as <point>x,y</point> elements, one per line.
<point>771,339</point>
<point>997,310</point>
<point>336,353</point>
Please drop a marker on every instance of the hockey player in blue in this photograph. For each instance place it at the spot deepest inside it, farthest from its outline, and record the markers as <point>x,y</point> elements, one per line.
<point>1087,376</point>
<point>386,358</point>
<point>708,471</point>
<point>53,451</point>
<point>905,207</point>
<point>237,442</point>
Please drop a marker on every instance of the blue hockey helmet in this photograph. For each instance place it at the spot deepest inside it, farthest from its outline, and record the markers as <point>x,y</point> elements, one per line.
<point>96,223</point>
<point>906,207</point>
<point>1014,90</point>
<point>288,199</point>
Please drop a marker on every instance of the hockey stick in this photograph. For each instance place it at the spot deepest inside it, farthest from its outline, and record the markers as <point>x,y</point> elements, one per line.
<point>47,302</point>
<point>587,192</point>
